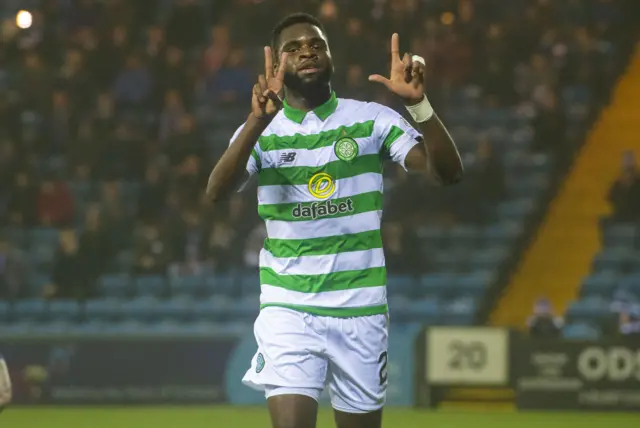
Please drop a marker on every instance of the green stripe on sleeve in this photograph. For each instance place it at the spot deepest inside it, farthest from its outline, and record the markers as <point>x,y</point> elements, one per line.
<point>327,245</point>
<point>335,281</point>
<point>255,156</point>
<point>315,141</point>
<point>331,208</point>
<point>337,169</point>
<point>391,138</point>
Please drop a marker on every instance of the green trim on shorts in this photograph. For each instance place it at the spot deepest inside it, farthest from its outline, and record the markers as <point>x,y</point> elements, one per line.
<point>363,311</point>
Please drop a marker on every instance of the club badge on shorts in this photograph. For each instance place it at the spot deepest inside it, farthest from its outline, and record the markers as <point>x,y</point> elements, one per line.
<point>346,149</point>
<point>259,363</point>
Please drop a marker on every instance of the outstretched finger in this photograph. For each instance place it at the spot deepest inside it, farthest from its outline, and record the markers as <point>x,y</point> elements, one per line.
<point>380,79</point>
<point>268,62</point>
<point>395,48</point>
<point>282,66</point>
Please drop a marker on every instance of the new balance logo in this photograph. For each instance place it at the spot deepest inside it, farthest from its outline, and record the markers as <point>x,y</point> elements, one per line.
<point>288,157</point>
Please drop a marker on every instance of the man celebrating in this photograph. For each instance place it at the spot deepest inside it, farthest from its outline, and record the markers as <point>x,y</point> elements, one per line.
<point>318,159</point>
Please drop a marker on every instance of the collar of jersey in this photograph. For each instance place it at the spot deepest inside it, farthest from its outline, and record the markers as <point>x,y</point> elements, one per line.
<point>323,111</point>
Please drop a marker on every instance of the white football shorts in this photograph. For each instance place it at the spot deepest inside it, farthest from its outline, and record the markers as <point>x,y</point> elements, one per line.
<point>300,353</point>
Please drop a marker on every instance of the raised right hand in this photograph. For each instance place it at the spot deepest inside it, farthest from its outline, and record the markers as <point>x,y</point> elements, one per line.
<point>268,93</point>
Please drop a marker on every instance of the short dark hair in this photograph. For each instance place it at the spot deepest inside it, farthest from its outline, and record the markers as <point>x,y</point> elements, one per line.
<point>293,19</point>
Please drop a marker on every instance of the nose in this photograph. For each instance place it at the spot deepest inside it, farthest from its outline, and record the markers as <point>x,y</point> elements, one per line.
<point>307,53</point>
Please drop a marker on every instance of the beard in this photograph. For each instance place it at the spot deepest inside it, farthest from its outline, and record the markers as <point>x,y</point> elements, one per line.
<point>308,85</point>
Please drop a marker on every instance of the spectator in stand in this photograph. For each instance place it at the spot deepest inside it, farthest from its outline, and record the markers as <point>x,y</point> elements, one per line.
<point>487,177</point>
<point>96,247</point>
<point>220,248</point>
<point>397,240</point>
<point>152,195</point>
<point>186,24</point>
<point>624,195</point>
<point>188,241</point>
<point>133,84</point>
<point>70,279</point>
<point>543,324</point>
<point>175,73</point>
<point>13,271</point>
<point>152,254</point>
<point>233,82</point>
<point>550,126</point>
<point>22,210</point>
<point>171,115</point>
<point>55,203</point>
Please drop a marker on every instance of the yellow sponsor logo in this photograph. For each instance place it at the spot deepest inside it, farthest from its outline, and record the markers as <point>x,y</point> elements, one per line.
<point>321,185</point>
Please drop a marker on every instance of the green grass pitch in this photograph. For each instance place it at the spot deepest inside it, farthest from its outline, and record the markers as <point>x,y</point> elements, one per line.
<point>251,417</point>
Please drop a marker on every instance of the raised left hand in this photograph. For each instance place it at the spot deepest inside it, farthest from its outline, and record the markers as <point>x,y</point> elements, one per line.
<point>406,79</point>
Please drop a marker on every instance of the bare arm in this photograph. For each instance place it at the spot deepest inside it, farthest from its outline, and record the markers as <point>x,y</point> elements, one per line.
<point>230,170</point>
<point>265,104</point>
<point>437,155</point>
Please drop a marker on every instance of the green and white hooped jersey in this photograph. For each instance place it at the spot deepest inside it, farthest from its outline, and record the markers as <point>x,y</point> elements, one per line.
<point>320,194</point>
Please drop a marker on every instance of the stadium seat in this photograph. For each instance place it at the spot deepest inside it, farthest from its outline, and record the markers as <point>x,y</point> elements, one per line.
<point>460,311</point>
<point>612,259</point>
<point>106,310</point>
<point>246,308</point>
<point>581,331</point>
<point>90,328</point>
<point>5,311</point>
<point>423,310</point>
<point>36,282</point>
<point>402,285</point>
<point>214,309</point>
<point>141,309</point>
<point>516,209</point>
<point>64,310</point>
<point>123,262</point>
<point>116,285</point>
<point>43,237</point>
<point>176,309</point>
<point>620,235</point>
<point>223,285</point>
<point>631,283</point>
<point>30,310</point>
<point>191,285</point>
<point>249,283</point>
<point>151,285</point>
<point>16,236</point>
<point>42,256</point>
<point>489,259</point>
<point>17,328</point>
<point>600,284</point>
<point>503,232</point>
<point>432,285</point>
<point>52,328</point>
<point>397,305</point>
<point>474,284</point>
<point>588,308</point>
<point>464,234</point>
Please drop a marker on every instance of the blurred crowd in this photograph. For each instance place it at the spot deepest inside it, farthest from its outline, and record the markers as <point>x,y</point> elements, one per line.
<point>100,134</point>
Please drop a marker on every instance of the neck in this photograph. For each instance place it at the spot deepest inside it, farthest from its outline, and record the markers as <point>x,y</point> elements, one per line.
<point>308,100</point>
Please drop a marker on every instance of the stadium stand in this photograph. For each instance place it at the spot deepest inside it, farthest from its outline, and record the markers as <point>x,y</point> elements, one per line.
<point>113,114</point>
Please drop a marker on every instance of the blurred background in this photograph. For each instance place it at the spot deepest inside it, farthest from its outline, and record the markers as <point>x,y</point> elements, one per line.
<point>113,113</point>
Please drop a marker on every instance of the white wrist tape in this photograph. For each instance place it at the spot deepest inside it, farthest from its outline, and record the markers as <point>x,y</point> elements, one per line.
<point>422,111</point>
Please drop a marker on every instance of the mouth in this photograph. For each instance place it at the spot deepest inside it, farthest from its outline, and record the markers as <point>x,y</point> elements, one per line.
<point>308,68</point>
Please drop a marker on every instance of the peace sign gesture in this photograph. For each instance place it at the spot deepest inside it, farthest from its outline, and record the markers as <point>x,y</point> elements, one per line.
<point>268,93</point>
<point>406,79</point>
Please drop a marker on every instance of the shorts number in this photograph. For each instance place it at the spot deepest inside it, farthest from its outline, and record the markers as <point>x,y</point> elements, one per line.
<point>382,360</point>
<point>472,355</point>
